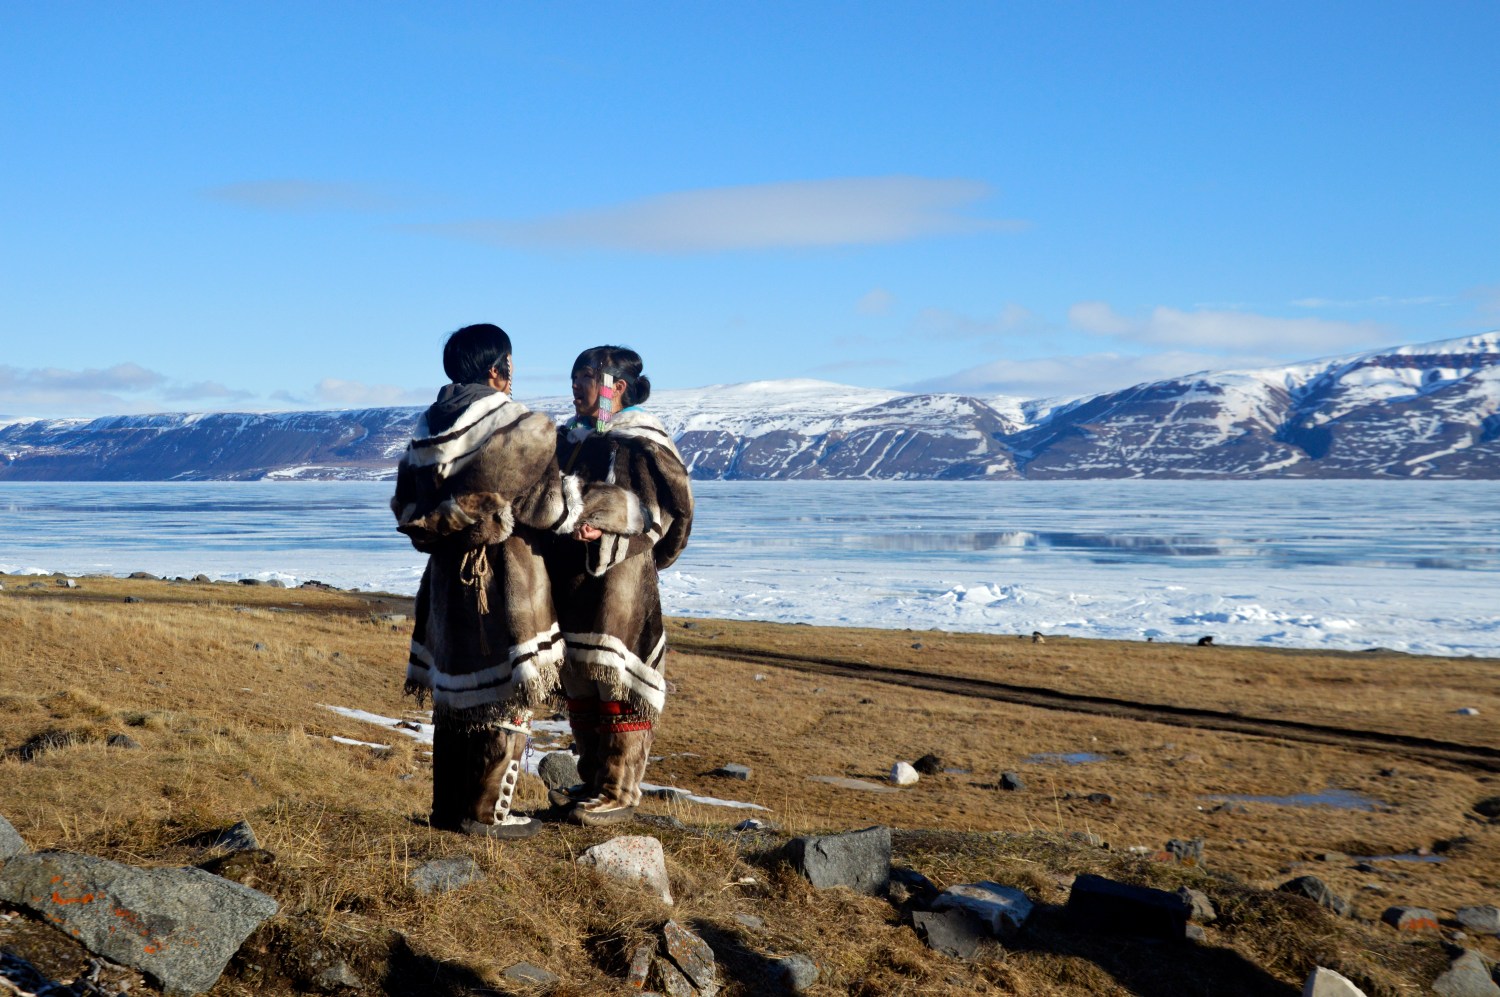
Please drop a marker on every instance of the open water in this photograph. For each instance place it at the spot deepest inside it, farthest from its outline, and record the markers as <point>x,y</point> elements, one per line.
<point>1408,565</point>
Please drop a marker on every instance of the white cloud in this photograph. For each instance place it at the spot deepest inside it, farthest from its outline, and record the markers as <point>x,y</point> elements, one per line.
<point>877,302</point>
<point>1381,301</point>
<point>301,195</point>
<point>1228,331</point>
<point>1062,377</point>
<point>204,390</point>
<point>792,215</point>
<point>1011,320</point>
<point>120,377</point>
<point>333,391</point>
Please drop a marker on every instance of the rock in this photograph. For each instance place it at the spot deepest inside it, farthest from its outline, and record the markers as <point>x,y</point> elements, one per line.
<point>1100,904</point>
<point>444,875</point>
<point>144,576</point>
<point>860,860</point>
<point>1002,909</point>
<point>732,771</point>
<point>693,957</point>
<point>1484,919</point>
<point>559,769</point>
<point>1463,711</point>
<point>1100,798</point>
<point>122,741</point>
<point>666,793</point>
<point>1467,976</point>
<point>202,579</point>
<point>750,921</point>
<point>918,886</point>
<point>1088,838</point>
<point>1323,982</point>
<point>640,965</point>
<point>794,973</point>
<point>1410,918</point>
<point>1318,892</point>
<point>11,842</point>
<point>636,858</point>
<point>178,926</point>
<point>1012,782</point>
<point>68,583</point>
<point>1203,908</point>
<point>928,764</point>
<point>756,824</point>
<point>239,837</point>
<point>1189,853</point>
<point>259,646</point>
<point>1332,857</point>
<point>530,975</point>
<point>131,598</point>
<point>337,977</point>
<point>954,932</point>
<point>672,981</point>
<point>903,774</point>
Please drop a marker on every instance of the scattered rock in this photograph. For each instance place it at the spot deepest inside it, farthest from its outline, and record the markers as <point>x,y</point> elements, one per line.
<point>1203,908</point>
<point>251,581</point>
<point>530,975</point>
<point>903,774</point>
<point>693,957</point>
<point>1323,982</point>
<point>444,875</point>
<point>11,842</point>
<point>1186,852</point>
<point>756,824</point>
<point>131,598</point>
<point>1100,798</point>
<point>239,837</point>
<point>671,980</point>
<point>860,860</point>
<point>1318,892</point>
<point>47,740</point>
<point>917,646</point>
<point>179,926</point>
<point>1100,904</point>
<point>634,858</point>
<point>918,887</point>
<point>1467,711</point>
<point>336,978</point>
<point>143,575</point>
<point>671,793</point>
<point>759,677</point>
<point>794,973</point>
<point>559,769</point>
<point>640,965</point>
<point>928,764</point>
<point>732,771</point>
<point>750,921</point>
<point>1484,919</point>
<point>1012,782</point>
<point>1410,918</point>
<point>259,646</point>
<point>1488,807</point>
<point>1002,909</point>
<point>1467,976</point>
<point>68,583</point>
<point>202,579</point>
<point>122,741</point>
<point>954,932</point>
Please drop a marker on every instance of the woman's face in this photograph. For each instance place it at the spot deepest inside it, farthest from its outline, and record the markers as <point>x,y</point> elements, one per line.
<point>586,393</point>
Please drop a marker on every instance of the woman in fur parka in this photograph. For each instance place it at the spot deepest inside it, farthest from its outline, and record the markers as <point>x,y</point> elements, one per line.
<point>604,579</point>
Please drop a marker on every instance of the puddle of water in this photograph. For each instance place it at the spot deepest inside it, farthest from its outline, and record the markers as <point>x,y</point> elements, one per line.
<point>1408,857</point>
<point>844,782</point>
<point>1063,758</point>
<point>1338,799</point>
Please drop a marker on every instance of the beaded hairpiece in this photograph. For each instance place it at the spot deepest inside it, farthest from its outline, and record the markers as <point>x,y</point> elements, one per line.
<point>606,400</point>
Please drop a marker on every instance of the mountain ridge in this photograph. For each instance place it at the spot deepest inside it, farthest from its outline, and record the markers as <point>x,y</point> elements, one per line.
<point>1422,410</point>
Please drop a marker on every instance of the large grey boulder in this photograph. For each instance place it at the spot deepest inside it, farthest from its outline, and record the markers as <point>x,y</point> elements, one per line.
<point>860,860</point>
<point>955,932</point>
<point>178,926</point>
<point>1467,976</point>
<point>1099,904</point>
<point>1323,982</point>
<point>1318,892</point>
<point>559,769</point>
<point>636,858</point>
<point>11,842</point>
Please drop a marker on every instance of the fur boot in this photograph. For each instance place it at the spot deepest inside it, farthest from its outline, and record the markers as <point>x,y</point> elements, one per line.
<point>474,776</point>
<point>625,749</point>
<point>583,718</point>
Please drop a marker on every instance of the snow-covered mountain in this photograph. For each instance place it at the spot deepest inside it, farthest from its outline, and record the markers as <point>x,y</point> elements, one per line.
<point>1430,410</point>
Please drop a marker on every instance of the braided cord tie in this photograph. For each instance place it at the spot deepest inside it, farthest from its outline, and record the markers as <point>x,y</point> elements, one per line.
<point>474,571</point>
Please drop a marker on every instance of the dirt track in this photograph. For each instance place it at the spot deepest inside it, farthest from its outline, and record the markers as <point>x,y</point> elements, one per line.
<point>1462,756</point>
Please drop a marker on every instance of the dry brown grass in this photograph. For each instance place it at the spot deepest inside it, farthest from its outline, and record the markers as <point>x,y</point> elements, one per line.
<point>227,731</point>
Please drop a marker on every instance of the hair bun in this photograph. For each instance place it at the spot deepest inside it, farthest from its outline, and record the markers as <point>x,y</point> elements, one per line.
<point>640,390</point>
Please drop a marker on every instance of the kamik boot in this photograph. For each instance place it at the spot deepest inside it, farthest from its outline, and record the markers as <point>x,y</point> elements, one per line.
<point>624,751</point>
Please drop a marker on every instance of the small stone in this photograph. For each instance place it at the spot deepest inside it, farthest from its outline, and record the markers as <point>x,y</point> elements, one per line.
<point>239,837</point>
<point>559,769</point>
<point>860,860</point>
<point>928,764</point>
<point>143,575</point>
<point>954,932</point>
<point>733,770</point>
<point>444,875</point>
<point>1322,982</point>
<point>66,583</point>
<point>1467,976</point>
<point>750,921</point>
<point>131,598</point>
<point>1188,853</point>
<point>1467,711</point>
<point>1410,918</point>
<point>917,646</point>
<point>1318,892</point>
<point>1104,798</point>
<point>670,793</point>
<point>1488,807</point>
<point>636,858</point>
<point>795,973</point>
<point>756,824</point>
<point>640,965</point>
<point>1484,919</point>
<point>259,646</point>
<point>903,774</point>
<point>1012,782</point>
<point>530,975</point>
<point>202,579</point>
<point>693,956</point>
<point>251,581</point>
<point>1002,909</point>
<point>11,842</point>
<point>759,677</point>
<point>122,741</point>
<point>1203,908</point>
<point>673,982</point>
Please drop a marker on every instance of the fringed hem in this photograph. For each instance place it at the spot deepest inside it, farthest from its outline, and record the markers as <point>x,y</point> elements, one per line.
<point>610,681</point>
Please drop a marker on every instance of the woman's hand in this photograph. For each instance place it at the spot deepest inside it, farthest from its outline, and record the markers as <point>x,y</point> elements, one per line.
<point>586,532</point>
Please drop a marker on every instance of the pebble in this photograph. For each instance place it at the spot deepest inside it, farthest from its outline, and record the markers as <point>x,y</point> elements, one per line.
<point>733,770</point>
<point>1012,781</point>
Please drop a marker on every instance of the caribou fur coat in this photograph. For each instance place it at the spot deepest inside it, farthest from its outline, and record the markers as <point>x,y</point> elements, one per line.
<point>608,603</point>
<point>479,491</point>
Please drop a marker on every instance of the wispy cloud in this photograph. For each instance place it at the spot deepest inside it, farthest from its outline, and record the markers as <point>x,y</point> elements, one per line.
<point>878,301</point>
<point>333,391</point>
<point>1010,321</point>
<point>1227,331</point>
<point>120,377</point>
<point>1381,301</point>
<point>123,389</point>
<point>1088,374</point>
<point>302,195</point>
<point>804,214</point>
<point>204,391</point>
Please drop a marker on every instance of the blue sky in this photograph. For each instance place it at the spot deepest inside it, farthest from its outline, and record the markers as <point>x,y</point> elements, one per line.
<point>238,206</point>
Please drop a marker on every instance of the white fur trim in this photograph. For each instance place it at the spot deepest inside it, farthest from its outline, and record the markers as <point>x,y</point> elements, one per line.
<point>601,650</point>
<point>454,514</point>
<point>572,487</point>
<point>481,420</point>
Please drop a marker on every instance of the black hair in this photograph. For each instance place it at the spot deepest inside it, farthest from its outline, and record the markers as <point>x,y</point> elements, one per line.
<point>620,362</point>
<point>470,352</point>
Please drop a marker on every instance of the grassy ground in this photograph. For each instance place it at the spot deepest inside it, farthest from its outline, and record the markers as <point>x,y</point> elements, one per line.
<point>223,689</point>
